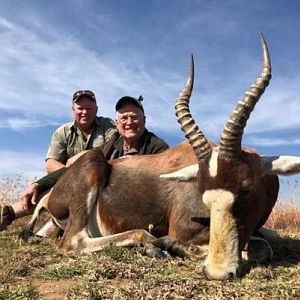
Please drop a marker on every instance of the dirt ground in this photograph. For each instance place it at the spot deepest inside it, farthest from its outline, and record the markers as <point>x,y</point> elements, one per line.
<point>38,269</point>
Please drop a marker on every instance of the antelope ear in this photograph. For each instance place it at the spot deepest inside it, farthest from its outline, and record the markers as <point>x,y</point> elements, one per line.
<point>184,174</point>
<point>280,165</point>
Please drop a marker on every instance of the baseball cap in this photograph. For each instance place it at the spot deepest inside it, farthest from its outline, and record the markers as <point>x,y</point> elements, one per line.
<point>128,99</point>
<point>87,93</point>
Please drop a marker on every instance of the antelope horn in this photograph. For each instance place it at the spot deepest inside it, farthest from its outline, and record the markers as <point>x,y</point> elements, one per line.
<point>195,137</point>
<point>230,143</point>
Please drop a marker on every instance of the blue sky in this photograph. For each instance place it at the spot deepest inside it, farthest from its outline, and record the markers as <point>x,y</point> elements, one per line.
<point>49,49</point>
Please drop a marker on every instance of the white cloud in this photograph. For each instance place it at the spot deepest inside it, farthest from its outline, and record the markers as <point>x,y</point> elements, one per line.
<point>46,58</point>
<point>273,142</point>
<point>47,71</point>
<point>20,123</point>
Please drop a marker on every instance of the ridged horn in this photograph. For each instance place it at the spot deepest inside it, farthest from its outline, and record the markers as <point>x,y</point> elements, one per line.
<point>195,137</point>
<point>230,143</point>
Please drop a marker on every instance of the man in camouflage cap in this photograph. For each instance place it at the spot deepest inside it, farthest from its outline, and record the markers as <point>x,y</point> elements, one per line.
<point>86,131</point>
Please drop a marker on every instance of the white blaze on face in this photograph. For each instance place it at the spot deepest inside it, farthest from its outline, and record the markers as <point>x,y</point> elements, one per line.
<point>223,257</point>
<point>213,163</point>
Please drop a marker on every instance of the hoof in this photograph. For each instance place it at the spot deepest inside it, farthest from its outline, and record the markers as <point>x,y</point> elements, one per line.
<point>171,245</point>
<point>7,215</point>
<point>156,253</point>
<point>25,234</point>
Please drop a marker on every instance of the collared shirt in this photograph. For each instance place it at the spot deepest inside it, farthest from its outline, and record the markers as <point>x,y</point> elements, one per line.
<point>68,139</point>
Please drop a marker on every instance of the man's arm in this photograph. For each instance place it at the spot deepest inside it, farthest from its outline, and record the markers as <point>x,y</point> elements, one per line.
<point>48,181</point>
<point>57,156</point>
<point>53,165</point>
<point>30,194</point>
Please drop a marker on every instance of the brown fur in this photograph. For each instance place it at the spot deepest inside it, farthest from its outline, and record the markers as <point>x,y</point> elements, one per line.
<point>130,195</point>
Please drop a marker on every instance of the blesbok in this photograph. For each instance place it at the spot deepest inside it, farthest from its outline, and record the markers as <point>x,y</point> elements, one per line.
<point>236,185</point>
<point>98,202</point>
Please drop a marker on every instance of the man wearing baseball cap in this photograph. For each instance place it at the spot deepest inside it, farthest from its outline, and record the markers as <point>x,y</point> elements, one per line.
<point>132,138</point>
<point>86,131</point>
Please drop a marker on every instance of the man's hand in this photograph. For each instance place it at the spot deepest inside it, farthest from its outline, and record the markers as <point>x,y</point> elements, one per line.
<point>28,197</point>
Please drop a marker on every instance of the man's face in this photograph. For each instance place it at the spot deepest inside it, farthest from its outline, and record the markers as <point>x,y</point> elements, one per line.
<point>130,121</point>
<point>84,111</point>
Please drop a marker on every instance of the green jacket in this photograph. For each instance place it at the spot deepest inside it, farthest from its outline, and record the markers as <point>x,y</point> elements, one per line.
<point>149,144</point>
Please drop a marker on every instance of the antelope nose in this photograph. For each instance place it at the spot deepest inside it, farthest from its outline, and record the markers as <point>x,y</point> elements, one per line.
<point>231,276</point>
<point>227,276</point>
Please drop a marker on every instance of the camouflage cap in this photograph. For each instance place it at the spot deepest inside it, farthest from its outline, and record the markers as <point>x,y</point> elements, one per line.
<point>87,93</point>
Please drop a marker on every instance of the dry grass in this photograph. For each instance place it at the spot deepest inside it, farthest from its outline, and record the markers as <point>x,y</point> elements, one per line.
<point>286,213</point>
<point>10,188</point>
<point>285,216</point>
<point>39,270</point>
